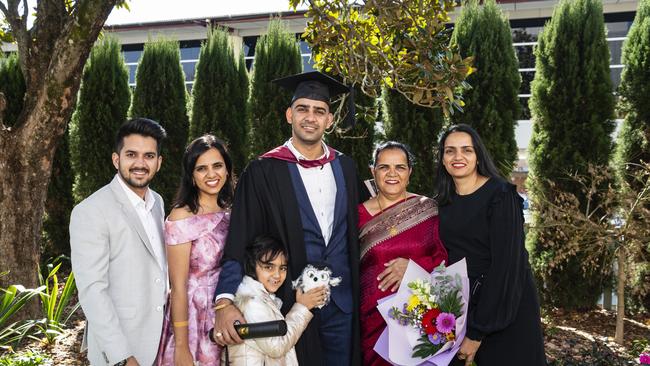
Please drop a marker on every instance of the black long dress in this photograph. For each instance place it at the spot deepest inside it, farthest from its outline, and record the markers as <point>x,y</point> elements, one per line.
<point>486,228</point>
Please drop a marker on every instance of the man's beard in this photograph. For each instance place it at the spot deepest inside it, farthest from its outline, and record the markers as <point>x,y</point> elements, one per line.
<point>136,184</point>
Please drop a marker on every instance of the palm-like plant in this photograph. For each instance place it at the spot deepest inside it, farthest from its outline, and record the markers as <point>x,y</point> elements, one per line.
<point>12,300</point>
<point>54,300</point>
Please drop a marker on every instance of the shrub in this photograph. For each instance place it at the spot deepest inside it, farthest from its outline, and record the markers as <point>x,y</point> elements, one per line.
<point>276,55</point>
<point>419,128</point>
<point>104,99</point>
<point>160,95</point>
<point>357,142</point>
<point>219,96</point>
<point>572,110</point>
<point>491,105</point>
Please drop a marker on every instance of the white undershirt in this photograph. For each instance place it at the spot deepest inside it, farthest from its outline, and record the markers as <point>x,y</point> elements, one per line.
<point>144,210</point>
<point>321,190</point>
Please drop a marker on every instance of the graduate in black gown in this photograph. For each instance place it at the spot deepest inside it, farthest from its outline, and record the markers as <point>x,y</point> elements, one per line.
<point>305,194</point>
<point>481,219</point>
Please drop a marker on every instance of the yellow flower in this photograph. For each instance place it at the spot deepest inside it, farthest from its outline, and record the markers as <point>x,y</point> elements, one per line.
<point>413,302</point>
<point>450,336</point>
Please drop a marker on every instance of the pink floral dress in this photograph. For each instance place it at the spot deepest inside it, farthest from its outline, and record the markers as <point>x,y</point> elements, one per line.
<point>208,236</point>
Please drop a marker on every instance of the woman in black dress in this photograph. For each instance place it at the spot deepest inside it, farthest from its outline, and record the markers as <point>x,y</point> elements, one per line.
<point>481,219</point>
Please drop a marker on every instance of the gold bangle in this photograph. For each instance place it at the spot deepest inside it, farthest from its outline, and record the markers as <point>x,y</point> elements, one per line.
<point>181,324</point>
<point>221,306</point>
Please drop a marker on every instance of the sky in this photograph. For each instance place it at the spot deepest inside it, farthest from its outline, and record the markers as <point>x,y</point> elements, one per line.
<point>160,10</point>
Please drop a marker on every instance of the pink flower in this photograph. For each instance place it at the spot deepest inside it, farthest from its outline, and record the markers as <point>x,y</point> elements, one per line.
<point>644,358</point>
<point>445,322</point>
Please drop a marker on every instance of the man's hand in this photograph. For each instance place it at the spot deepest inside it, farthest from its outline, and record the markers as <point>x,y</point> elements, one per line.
<point>131,361</point>
<point>468,351</point>
<point>224,323</point>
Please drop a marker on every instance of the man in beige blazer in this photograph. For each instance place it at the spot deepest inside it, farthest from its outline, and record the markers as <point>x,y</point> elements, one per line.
<point>118,255</point>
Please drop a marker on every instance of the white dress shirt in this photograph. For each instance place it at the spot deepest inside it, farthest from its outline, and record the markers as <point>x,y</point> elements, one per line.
<point>144,210</point>
<point>321,190</point>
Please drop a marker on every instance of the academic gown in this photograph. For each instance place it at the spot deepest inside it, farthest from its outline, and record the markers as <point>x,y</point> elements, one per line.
<point>265,204</point>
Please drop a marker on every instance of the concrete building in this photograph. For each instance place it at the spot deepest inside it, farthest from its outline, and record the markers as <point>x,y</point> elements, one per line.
<point>527,18</point>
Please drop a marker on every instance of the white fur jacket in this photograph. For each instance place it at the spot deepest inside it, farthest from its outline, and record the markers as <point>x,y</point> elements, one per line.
<point>258,305</point>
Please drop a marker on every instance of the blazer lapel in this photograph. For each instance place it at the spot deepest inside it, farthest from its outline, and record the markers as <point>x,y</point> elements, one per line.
<point>340,203</point>
<point>132,217</point>
<point>159,217</point>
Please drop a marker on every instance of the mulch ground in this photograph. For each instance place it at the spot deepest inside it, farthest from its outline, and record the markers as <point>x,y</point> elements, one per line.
<point>572,339</point>
<point>587,338</point>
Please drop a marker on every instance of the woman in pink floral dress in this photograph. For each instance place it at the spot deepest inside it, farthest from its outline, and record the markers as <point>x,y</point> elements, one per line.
<point>195,233</point>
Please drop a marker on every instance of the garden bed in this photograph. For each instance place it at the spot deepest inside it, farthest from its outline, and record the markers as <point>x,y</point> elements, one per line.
<point>572,339</point>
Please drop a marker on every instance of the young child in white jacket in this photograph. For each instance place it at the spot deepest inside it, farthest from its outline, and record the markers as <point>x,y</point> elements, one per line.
<point>266,270</point>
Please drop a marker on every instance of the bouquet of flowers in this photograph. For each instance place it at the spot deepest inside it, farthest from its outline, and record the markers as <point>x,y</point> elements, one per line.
<point>426,318</point>
<point>644,358</point>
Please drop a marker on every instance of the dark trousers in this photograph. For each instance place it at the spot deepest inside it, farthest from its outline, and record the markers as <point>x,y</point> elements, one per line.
<point>335,333</point>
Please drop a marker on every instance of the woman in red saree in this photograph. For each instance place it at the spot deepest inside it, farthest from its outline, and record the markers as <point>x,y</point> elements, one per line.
<point>394,226</point>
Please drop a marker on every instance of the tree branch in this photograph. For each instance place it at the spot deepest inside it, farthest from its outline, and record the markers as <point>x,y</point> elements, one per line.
<point>18,25</point>
<point>25,10</point>
<point>4,10</point>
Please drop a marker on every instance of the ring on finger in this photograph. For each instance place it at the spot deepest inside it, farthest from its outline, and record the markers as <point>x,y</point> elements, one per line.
<point>219,334</point>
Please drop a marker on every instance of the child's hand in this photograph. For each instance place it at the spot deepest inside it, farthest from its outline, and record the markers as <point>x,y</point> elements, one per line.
<point>313,297</point>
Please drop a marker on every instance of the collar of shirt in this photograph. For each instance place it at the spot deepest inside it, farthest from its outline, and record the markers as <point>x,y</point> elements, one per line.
<point>134,198</point>
<point>300,156</point>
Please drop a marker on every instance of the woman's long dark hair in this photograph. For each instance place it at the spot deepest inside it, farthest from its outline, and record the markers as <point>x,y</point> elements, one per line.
<point>188,194</point>
<point>485,166</point>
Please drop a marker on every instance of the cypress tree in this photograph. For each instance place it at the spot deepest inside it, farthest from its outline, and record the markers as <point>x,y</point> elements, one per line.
<point>242,108</point>
<point>276,55</point>
<point>419,128</point>
<point>358,142</point>
<point>633,145</point>
<point>491,105</point>
<point>104,99</point>
<point>218,97</point>
<point>160,95</point>
<point>12,85</point>
<point>634,137</point>
<point>572,110</point>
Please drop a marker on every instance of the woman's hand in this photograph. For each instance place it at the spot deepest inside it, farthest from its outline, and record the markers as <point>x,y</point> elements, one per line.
<point>313,297</point>
<point>468,351</point>
<point>183,357</point>
<point>392,275</point>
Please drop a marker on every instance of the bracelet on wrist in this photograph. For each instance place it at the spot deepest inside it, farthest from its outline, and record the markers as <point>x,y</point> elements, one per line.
<point>181,324</point>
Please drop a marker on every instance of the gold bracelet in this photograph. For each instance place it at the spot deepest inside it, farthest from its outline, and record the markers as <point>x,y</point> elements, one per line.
<point>181,324</point>
<point>221,306</point>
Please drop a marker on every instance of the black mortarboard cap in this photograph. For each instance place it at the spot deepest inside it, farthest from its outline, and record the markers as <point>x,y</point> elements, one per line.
<point>318,86</point>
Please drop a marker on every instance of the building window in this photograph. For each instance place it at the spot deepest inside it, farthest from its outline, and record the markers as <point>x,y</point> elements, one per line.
<point>189,51</point>
<point>305,52</point>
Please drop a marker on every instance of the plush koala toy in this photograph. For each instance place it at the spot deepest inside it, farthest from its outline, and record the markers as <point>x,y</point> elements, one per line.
<point>313,277</point>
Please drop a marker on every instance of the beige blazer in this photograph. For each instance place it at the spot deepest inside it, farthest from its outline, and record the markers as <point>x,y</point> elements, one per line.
<point>121,284</point>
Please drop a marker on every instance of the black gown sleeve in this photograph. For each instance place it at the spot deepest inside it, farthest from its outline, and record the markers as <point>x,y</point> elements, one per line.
<point>246,222</point>
<point>501,290</point>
